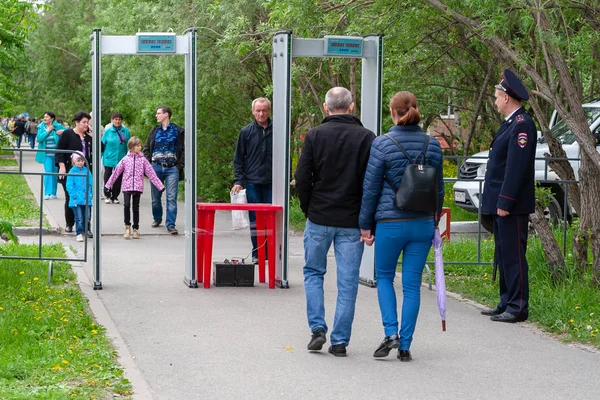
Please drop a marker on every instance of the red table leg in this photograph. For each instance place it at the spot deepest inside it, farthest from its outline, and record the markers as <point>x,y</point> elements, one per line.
<point>260,240</point>
<point>199,244</point>
<point>272,240</point>
<point>209,226</point>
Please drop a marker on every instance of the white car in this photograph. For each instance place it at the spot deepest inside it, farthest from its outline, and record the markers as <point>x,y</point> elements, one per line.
<point>472,172</point>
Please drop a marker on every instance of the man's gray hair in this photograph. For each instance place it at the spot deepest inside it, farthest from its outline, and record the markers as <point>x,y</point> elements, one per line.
<point>261,100</point>
<point>338,99</point>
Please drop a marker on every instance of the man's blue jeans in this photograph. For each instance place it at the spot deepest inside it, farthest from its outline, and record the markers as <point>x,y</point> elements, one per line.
<point>348,254</point>
<point>170,177</point>
<point>80,217</point>
<point>257,193</point>
<point>413,239</point>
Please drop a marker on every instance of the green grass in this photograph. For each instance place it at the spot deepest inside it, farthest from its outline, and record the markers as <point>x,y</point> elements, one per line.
<point>18,206</point>
<point>569,308</point>
<point>456,213</point>
<point>7,162</point>
<point>297,218</point>
<point>50,347</point>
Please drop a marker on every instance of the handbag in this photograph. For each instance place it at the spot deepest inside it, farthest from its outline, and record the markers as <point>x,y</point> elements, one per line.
<point>418,187</point>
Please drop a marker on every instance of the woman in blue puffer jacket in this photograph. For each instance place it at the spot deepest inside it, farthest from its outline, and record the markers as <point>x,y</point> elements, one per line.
<point>399,231</point>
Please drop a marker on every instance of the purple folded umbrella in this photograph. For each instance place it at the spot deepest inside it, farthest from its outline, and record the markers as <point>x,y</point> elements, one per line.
<point>440,281</point>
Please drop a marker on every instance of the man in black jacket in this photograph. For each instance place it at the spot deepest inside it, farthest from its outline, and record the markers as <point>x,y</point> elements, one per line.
<point>19,131</point>
<point>165,150</point>
<point>252,164</point>
<point>329,181</point>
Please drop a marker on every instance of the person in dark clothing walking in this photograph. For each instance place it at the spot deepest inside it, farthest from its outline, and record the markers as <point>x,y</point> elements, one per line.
<point>19,131</point>
<point>329,181</point>
<point>252,164</point>
<point>31,128</point>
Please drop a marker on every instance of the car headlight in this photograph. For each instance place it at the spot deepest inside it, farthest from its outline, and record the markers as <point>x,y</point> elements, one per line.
<point>481,170</point>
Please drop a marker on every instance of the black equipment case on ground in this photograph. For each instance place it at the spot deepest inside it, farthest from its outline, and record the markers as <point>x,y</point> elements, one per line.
<point>233,274</point>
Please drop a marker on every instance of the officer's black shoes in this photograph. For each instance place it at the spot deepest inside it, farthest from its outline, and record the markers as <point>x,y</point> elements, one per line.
<point>338,350</point>
<point>404,355</point>
<point>69,228</point>
<point>389,343</point>
<point>491,311</point>
<point>505,317</point>
<point>317,340</point>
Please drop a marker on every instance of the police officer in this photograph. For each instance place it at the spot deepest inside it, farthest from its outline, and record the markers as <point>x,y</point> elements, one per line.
<point>509,197</point>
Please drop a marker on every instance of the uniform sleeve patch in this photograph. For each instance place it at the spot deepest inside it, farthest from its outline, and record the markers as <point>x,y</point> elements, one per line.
<point>520,118</point>
<point>522,140</point>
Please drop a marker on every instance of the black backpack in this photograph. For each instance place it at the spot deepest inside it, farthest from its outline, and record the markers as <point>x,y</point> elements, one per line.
<point>418,188</point>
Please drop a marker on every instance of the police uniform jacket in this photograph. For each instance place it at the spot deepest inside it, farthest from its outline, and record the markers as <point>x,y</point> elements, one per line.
<point>510,179</point>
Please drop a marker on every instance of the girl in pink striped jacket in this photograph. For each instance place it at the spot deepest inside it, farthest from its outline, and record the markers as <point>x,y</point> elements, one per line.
<point>134,167</point>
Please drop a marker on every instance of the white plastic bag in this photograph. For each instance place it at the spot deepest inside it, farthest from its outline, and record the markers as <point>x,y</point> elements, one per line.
<point>239,218</point>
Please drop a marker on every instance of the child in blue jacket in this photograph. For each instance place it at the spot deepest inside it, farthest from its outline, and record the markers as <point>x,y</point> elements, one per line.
<point>79,186</point>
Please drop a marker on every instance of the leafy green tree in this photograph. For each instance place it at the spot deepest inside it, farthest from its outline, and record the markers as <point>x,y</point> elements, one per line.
<point>543,48</point>
<point>17,20</point>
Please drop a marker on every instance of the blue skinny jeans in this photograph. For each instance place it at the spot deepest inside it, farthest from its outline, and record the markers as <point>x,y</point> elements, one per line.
<point>412,239</point>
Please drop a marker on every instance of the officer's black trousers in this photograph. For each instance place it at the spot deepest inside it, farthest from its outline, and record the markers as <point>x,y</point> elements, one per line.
<point>510,234</point>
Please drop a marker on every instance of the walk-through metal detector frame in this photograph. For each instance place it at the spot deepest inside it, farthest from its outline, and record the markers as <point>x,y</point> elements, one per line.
<point>284,49</point>
<point>132,45</point>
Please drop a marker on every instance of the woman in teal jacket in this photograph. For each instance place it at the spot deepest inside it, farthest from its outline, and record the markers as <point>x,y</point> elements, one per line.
<point>114,148</point>
<point>48,133</point>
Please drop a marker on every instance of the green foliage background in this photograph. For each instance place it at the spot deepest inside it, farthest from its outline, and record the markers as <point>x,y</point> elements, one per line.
<point>47,62</point>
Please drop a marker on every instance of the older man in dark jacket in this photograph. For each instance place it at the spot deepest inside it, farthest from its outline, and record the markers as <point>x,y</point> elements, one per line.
<point>329,181</point>
<point>252,164</point>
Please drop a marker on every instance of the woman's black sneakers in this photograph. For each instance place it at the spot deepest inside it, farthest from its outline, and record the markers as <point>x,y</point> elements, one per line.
<point>389,343</point>
<point>404,355</point>
<point>338,350</point>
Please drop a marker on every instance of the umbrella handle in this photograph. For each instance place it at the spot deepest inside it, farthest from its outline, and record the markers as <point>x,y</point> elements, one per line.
<point>444,325</point>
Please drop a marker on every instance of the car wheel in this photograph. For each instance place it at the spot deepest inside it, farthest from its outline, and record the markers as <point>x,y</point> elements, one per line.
<point>554,212</point>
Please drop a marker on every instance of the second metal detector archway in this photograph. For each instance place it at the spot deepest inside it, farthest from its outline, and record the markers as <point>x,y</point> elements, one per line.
<point>370,50</point>
<point>156,43</point>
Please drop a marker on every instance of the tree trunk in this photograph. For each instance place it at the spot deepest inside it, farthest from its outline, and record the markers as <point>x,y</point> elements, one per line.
<point>478,104</point>
<point>357,106</point>
<point>580,247</point>
<point>590,213</point>
<point>563,168</point>
<point>554,257</point>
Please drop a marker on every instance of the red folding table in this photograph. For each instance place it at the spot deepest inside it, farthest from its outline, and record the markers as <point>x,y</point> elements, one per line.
<point>265,227</point>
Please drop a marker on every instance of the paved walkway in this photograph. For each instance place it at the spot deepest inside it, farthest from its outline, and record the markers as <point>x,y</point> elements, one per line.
<point>250,343</point>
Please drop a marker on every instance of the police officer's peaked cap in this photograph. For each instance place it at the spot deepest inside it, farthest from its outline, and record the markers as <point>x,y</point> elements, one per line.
<point>512,86</point>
